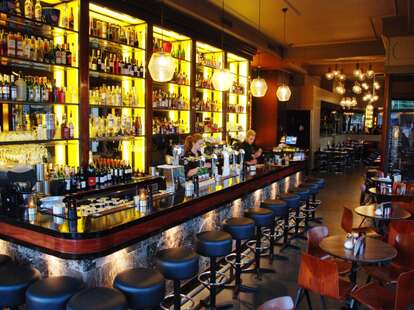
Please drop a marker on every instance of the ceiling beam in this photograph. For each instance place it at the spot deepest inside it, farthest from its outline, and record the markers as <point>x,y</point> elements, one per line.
<point>231,24</point>
<point>334,52</point>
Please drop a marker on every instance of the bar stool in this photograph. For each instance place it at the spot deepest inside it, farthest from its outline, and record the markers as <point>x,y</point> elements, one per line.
<point>98,298</point>
<point>144,288</point>
<point>14,281</point>
<point>4,259</point>
<point>314,204</point>
<point>280,212</point>
<point>52,293</point>
<point>262,218</point>
<point>213,244</point>
<point>240,228</point>
<point>293,204</point>
<point>304,194</point>
<point>177,264</point>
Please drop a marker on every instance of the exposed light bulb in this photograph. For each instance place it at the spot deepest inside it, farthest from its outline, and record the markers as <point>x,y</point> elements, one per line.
<point>283,93</point>
<point>356,88</point>
<point>329,75</point>
<point>370,73</point>
<point>377,85</point>
<point>365,85</point>
<point>222,79</point>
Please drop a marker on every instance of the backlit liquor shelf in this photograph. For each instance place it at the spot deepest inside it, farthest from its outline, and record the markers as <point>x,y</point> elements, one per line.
<point>42,104</point>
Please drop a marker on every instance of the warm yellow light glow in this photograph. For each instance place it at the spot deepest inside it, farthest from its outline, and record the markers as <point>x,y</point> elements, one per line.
<point>161,67</point>
<point>113,16</point>
<point>357,89</point>
<point>222,79</point>
<point>283,93</point>
<point>55,265</point>
<point>287,185</point>
<point>258,87</point>
<point>172,237</point>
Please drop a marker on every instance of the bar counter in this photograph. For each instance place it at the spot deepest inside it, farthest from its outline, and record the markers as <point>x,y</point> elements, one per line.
<point>97,248</point>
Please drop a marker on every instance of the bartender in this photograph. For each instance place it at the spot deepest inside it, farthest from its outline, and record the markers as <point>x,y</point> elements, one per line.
<point>251,153</point>
<point>192,147</point>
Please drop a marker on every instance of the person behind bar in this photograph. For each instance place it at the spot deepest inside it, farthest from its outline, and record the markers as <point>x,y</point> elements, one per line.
<point>192,147</point>
<point>251,152</point>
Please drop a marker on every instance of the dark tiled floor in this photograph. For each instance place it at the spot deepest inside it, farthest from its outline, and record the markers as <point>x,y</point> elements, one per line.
<point>340,190</point>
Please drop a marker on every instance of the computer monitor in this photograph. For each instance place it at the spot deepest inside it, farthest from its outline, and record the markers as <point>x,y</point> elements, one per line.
<point>291,140</point>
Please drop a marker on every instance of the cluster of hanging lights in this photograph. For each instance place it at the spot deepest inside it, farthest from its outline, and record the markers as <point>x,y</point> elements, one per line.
<point>348,102</point>
<point>258,86</point>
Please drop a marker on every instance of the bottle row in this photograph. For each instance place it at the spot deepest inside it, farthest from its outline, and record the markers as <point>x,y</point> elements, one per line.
<point>16,44</point>
<point>206,105</point>
<point>113,95</point>
<point>208,60</point>
<point>114,63</point>
<point>98,173</point>
<point>163,126</point>
<point>207,126</point>
<point>177,51</point>
<point>203,82</point>
<point>109,31</point>
<point>114,125</point>
<point>34,10</point>
<point>42,126</point>
<point>236,108</point>
<point>164,99</point>
<point>38,89</point>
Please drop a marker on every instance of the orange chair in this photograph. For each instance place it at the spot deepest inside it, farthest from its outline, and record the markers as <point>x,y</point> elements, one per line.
<point>377,297</point>
<point>347,223</point>
<point>280,303</point>
<point>320,277</point>
<point>399,227</point>
<point>315,236</point>
<point>404,261</point>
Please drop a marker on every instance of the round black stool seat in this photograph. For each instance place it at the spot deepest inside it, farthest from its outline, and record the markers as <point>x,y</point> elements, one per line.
<point>319,181</point>
<point>312,187</point>
<point>240,228</point>
<point>14,280</point>
<point>4,259</point>
<point>52,293</point>
<point>98,298</point>
<point>178,263</point>
<point>292,200</point>
<point>302,192</point>
<point>213,243</point>
<point>277,206</point>
<point>143,287</point>
<point>260,216</point>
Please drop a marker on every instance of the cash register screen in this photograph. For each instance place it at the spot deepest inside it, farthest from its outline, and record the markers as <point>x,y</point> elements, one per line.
<point>291,140</point>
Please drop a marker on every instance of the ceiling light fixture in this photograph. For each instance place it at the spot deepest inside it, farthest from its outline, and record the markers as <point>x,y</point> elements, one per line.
<point>222,78</point>
<point>357,71</point>
<point>258,86</point>
<point>283,92</point>
<point>365,85</point>
<point>357,89</point>
<point>161,65</point>
<point>370,73</point>
<point>329,75</point>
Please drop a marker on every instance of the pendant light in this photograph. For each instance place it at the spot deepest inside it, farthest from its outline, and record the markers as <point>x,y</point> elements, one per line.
<point>222,79</point>
<point>161,65</point>
<point>283,92</point>
<point>329,75</point>
<point>258,86</point>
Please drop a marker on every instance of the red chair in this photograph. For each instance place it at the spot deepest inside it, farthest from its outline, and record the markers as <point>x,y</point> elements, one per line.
<point>399,227</point>
<point>315,236</point>
<point>377,297</point>
<point>280,303</point>
<point>320,277</point>
<point>347,224</point>
<point>404,261</point>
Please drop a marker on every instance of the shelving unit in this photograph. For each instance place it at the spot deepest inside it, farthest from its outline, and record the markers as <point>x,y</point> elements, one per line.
<point>40,59</point>
<point>117,49</point>
<point>238,107</point>
<point>208,103</point>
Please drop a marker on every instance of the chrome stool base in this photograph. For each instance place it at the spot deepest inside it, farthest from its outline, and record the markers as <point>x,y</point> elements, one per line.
<point>184,300</point>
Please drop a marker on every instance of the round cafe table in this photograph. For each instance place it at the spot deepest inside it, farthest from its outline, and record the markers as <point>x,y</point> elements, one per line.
<point>376,251</point>
<point>388,196</point>
<point>396,213</point>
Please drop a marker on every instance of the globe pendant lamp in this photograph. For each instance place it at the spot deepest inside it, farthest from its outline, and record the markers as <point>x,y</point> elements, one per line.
<point>222,79</point>
<point>258,86</point>
<point>283,93</point>
<point>161,65</point>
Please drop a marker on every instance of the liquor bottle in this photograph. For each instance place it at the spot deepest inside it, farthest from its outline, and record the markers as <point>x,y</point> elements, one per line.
<point>82,179</point>
<point>73,62</point>
<point>65,134</point>
<point>91,173</point>
<point>71,127</point>
<point>71,20</point>
<point>28,9</point>
<point>6,88</point>
<point>11,45</point>
<point>13,89</point>
<point>38,11</point>
<point>18,10</point>
<point>68,181</point>
<point>74,179</point>
<point>65,21</point>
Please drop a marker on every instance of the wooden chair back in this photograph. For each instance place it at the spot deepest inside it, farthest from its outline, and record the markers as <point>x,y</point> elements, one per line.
<point>399,227</point>
<point>319,276</point>
<point>404,243</point>
<point>404,296</point>
<point>315,236</point>
<point>280,303</point>
<point>347,220</point>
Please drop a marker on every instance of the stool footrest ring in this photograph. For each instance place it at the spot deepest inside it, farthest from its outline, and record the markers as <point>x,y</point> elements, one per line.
<point>206,282</point>
<point>231,259</point>
<point>184,298</point>
<point>252,246</point>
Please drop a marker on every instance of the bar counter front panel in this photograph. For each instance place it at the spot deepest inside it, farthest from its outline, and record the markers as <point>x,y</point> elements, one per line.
<point>105,246</point>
